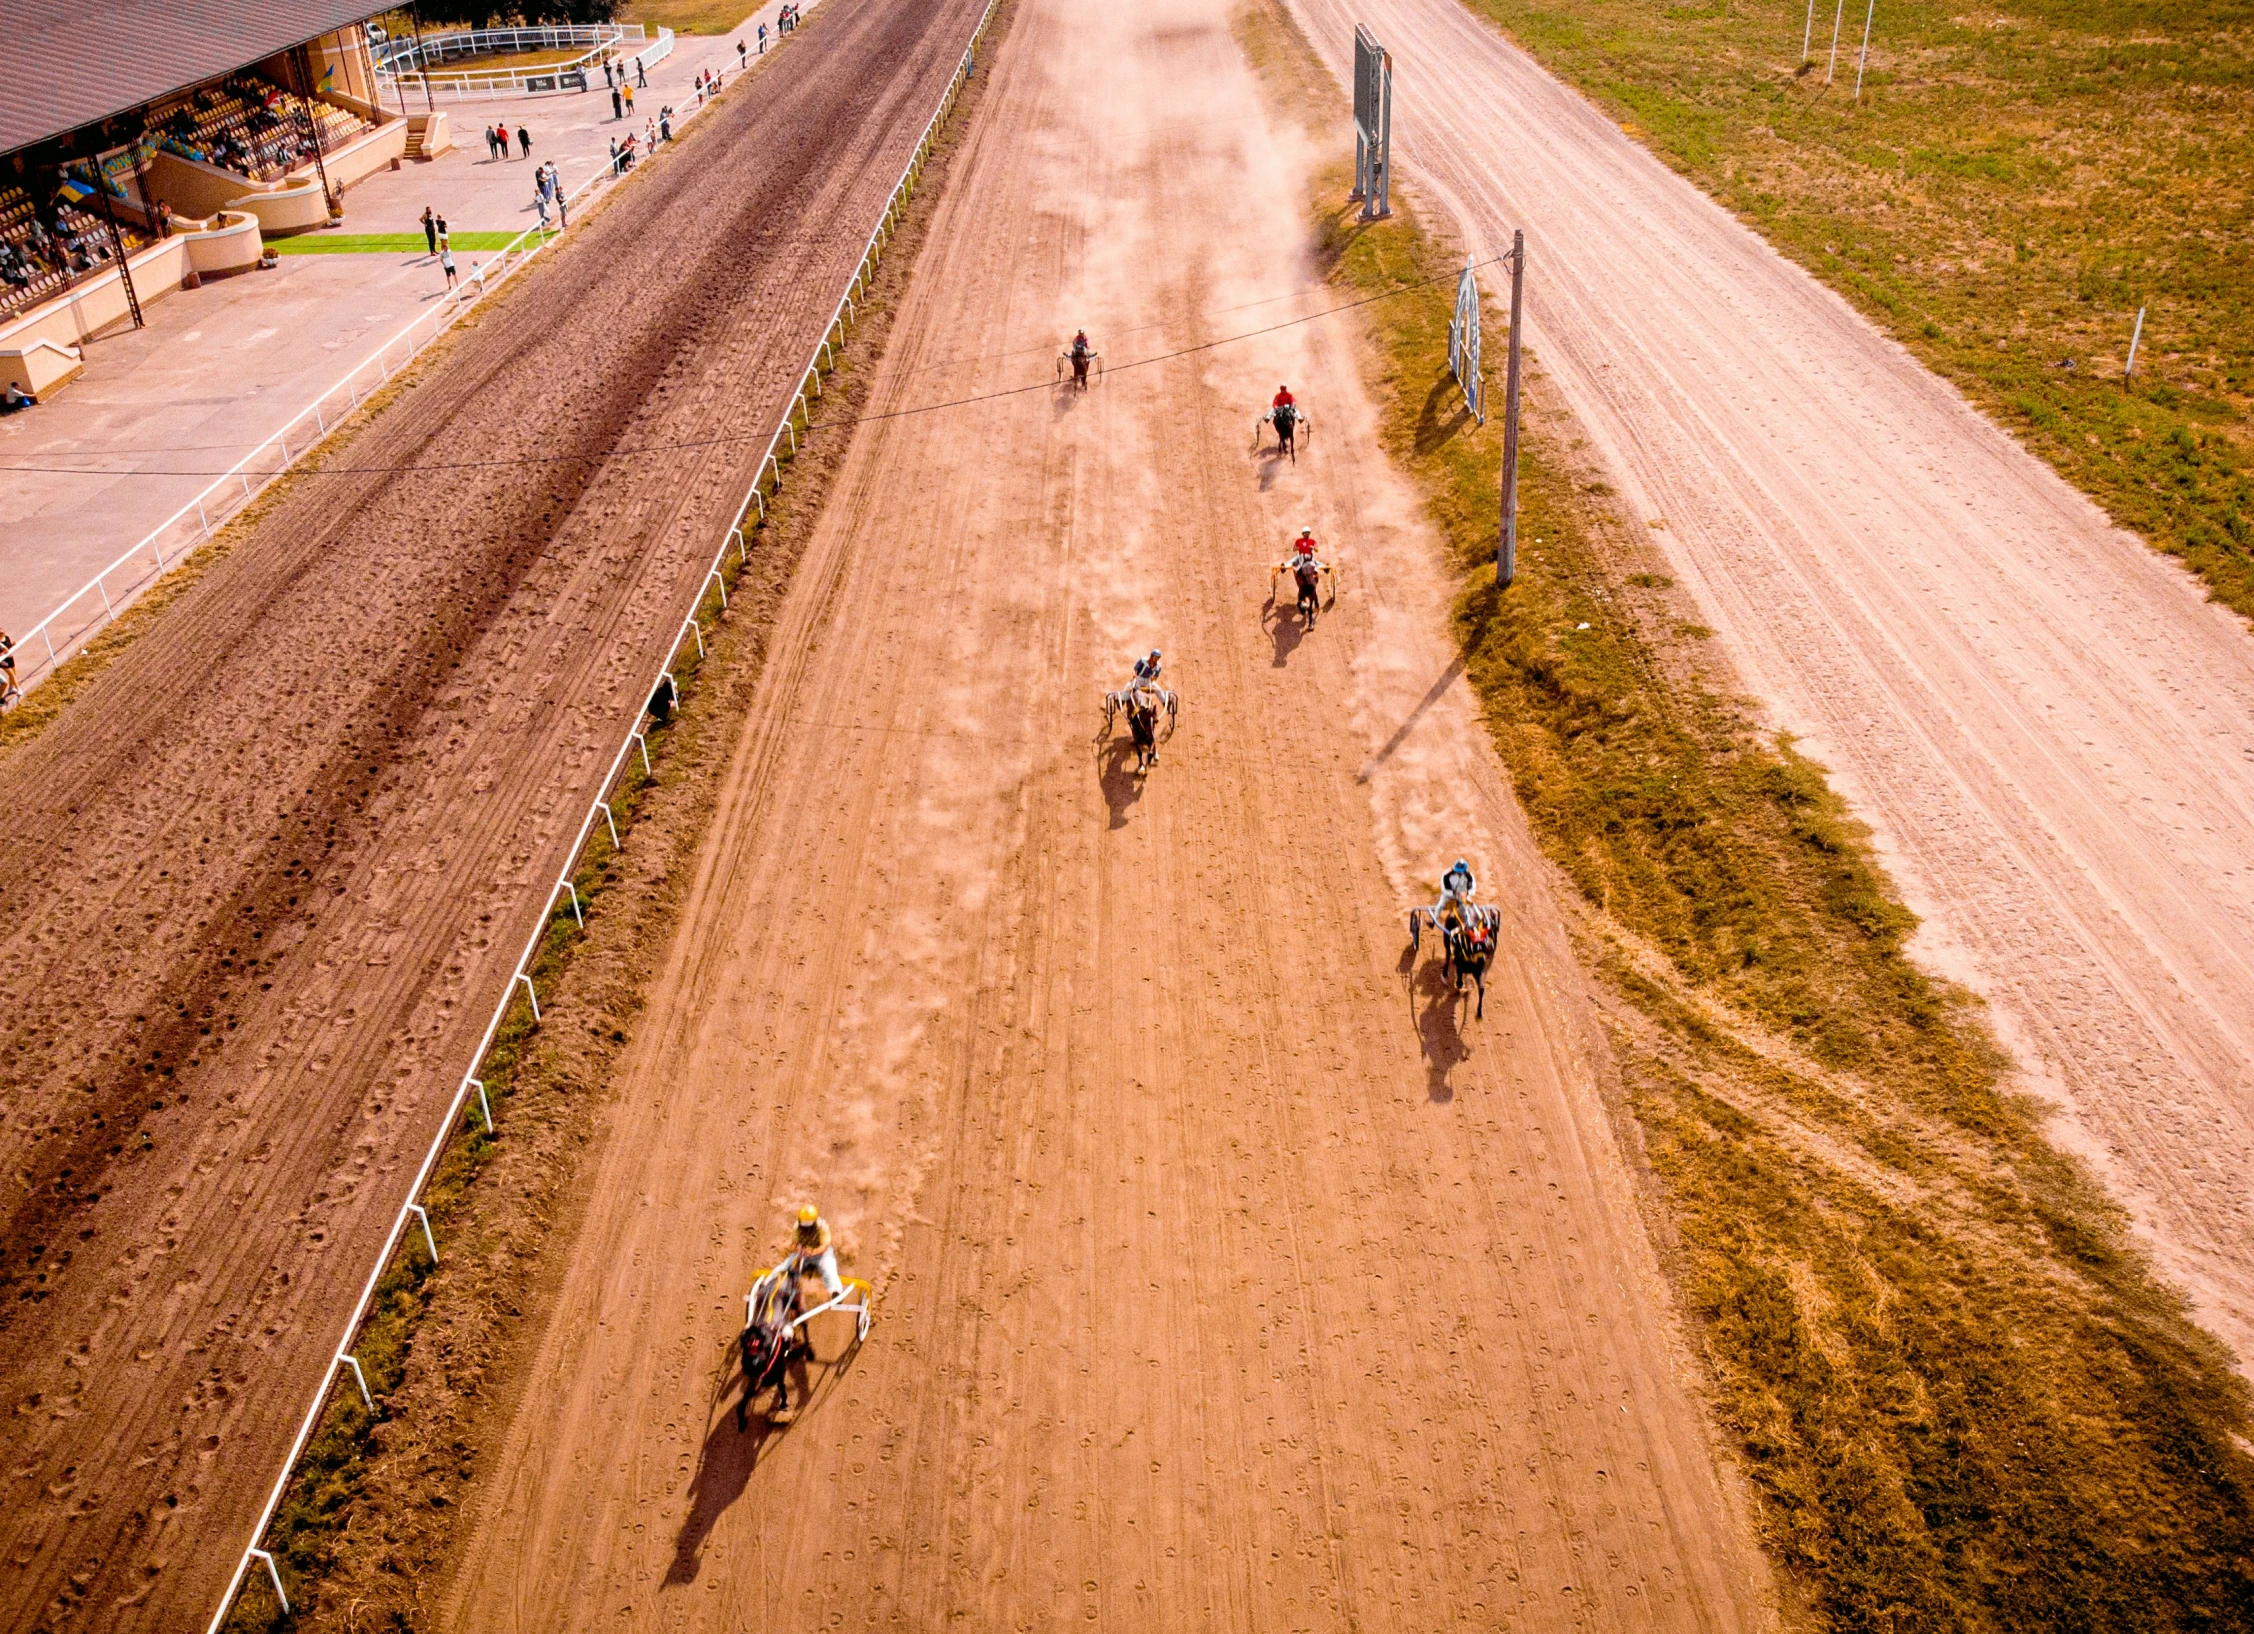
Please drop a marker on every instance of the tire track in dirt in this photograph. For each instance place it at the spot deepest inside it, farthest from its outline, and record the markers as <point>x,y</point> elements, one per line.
<point>1230,1276</point>
<point>267,874</point>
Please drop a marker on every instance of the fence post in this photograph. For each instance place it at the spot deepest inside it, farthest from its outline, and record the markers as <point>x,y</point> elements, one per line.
<point>566,885</point>
<point>610,823</point>
<point>715,577</point>
<point>353,1362</point>
<point>483,1105</point>
<point>429,1241</point>
<point>531,993</point>
<point>646,772</point>
<point>277,1578</point>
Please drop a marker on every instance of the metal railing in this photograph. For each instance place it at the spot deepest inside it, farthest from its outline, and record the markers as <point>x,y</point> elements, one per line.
<point>822,358</point>
<point>417,63</point>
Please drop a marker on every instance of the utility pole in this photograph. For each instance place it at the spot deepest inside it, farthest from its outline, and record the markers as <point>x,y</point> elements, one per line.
<point>422,63</point>
<point>1506,548</point>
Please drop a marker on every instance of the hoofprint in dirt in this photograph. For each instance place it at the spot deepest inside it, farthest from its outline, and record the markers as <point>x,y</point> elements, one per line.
<point>2049,730</point>
<point>1228,1276</point>
<point>265,876</point>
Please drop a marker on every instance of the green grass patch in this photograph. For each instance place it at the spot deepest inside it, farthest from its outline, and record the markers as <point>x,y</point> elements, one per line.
<point>383,243</point>
<point>689,16</point>
<point>1961,1398</point>
<point>2012,186</point>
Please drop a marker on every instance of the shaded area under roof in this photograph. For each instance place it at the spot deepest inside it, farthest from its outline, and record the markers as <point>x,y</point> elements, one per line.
<point>69,63</point>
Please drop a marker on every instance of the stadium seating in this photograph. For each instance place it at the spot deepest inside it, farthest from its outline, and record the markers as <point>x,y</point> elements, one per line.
<point>44,252</point>
<point>251,127</point>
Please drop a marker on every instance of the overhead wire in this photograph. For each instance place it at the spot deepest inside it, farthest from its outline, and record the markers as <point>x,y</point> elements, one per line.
<point>687,445</point>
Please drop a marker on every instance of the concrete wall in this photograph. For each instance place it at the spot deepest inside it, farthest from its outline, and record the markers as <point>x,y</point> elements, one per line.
<point>231,244</point>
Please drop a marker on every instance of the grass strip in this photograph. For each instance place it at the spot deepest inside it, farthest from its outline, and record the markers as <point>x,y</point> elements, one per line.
<point>2011,187</point>
<point>1963,1400</point>
<point>370,1524</point>
<point>382,243</point>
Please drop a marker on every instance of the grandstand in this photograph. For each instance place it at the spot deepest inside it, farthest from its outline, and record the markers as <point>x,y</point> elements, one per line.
<point>146,146</point>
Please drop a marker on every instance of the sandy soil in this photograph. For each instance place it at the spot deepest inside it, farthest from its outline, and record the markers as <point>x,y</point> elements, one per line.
<point>2051,732</point>
<point>265,879</point>
<point>1229,1275</point>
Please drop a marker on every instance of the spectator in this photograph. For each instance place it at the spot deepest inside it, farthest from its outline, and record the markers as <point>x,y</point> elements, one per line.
<point>493,146</point>
<point>540,202</point>
<point>606,71</point>
<point>641,80</point>
<point>430,229</point>
<point>446,260</point>
<point>629,99</point>
<point>524,140</point>
<point>743,55</point>
<point>649,135</point>
<point>164,219</point>
<point>665,124</point>
<point>763,39</point>
<point>617,108</point>
<point>9,692</point>
<point>614,156</point>
<point>443,241</point>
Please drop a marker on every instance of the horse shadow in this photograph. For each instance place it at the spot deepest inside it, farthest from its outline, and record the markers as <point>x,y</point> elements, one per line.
<point>1122,784</point>
<point>1439,1040</point>
<point>1285,627</point>
<point>729,1457</point>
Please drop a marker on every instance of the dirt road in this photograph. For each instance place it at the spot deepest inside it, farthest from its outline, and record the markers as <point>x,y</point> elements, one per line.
<point>264,882</point>
<point>1230,1276</point>
<point>2051,732</point>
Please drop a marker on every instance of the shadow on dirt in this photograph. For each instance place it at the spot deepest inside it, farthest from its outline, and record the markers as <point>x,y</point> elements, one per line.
<point>1286,628</point>
<point>1400,734</point>
<point>729,1456</point>
<point>1115,757</point>
<point>1438,1039</point>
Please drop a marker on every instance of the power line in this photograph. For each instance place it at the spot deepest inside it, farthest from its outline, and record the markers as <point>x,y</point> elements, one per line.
<point>812,426</point>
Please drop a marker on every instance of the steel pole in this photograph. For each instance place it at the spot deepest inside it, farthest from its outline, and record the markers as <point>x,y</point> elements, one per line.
<point>1868,14</point>
<point>1506,549</point>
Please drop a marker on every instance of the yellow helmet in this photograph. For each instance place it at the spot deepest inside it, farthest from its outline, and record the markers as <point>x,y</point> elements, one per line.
<point>808,1215</point>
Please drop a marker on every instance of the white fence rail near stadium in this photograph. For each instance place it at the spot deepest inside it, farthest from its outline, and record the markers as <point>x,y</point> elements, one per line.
<point>96,604</point>
<point>823,356</point>
<point>419,61</point>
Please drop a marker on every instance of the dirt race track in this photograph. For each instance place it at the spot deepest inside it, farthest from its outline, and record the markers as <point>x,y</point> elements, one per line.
<point>1230,1275</point>
<point>2049,729</point>
<point>265,881</point>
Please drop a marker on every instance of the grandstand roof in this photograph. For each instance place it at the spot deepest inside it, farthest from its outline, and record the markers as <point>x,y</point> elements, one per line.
<point>65,63</point>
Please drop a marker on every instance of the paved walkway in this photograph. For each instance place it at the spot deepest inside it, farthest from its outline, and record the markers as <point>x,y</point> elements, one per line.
<point>220,369</point>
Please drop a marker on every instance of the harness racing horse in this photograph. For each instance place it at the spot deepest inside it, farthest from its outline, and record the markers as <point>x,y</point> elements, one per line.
<point>769,1340</point>
<point>1143,705</point>
<point>1081,361</point>
<point>1289,421</point>
<point>1467,939</point>
<point>1309,578</point>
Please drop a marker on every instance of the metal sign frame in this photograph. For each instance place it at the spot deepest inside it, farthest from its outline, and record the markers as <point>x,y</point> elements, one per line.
<point>1463,345</point>
<point>1373,126</point>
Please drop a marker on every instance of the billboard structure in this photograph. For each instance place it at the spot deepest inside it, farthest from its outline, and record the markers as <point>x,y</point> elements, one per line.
<point>1463,345</point>
<point>1373,126</point>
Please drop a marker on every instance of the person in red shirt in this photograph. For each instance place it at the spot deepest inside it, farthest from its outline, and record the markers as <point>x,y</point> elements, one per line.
<point>1283,398</point>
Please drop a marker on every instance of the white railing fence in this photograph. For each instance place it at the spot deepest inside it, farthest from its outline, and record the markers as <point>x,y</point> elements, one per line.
<point>88,610</point>
<point>405,68</point>
<point>768,474</point>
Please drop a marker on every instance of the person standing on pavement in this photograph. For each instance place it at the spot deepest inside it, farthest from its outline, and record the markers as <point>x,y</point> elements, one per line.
<point>430,229</point>
<point>446,260</point>
<point>617,107</point>
<point>524,140</point>
<point>641,79</point>
<point>443,241</point>
<point>763,39</point>
<point>629,101</point>
<point>743,56</point>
